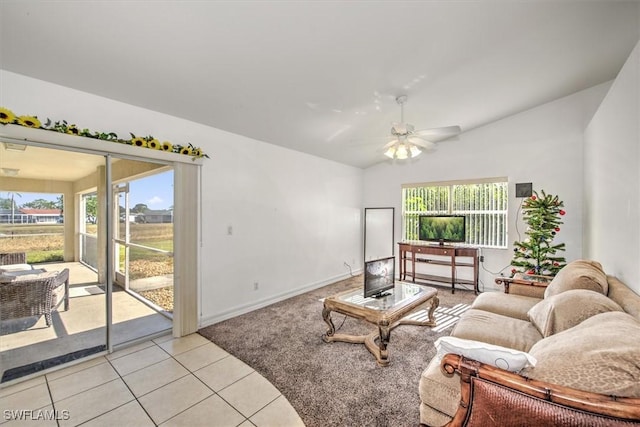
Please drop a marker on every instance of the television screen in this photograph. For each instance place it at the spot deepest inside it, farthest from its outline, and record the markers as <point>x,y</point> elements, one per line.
<point>379,276</point>
<point>441,228</point>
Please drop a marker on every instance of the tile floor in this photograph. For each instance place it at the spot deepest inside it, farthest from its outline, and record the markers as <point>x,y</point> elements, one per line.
<point>186,381</point>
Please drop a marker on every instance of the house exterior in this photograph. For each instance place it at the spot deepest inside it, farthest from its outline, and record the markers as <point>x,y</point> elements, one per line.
<point>30,216</point>
<point>161,216</point>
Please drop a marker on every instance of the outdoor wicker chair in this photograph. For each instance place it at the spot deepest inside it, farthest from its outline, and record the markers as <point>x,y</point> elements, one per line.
<point>8,258</point>
<point>33,295</point>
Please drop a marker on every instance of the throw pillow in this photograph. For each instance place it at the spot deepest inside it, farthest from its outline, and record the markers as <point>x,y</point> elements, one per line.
<point>494,355</point>
<point>568,309</point>
<point>599,355</point>
<point>579,274</point>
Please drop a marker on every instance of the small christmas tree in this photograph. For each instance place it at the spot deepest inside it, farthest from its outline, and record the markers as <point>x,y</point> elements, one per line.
<point>537,253</point>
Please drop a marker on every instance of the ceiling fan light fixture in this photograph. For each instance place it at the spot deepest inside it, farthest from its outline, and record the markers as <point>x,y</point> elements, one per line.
<point>391,152</point>
<point>409,143</point>
<point>402,152</point>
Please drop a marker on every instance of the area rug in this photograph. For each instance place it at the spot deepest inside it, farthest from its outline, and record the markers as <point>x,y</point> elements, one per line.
<point>335,384</point>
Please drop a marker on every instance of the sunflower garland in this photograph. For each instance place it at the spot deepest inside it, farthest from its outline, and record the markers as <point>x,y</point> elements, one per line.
<point>8,117</point>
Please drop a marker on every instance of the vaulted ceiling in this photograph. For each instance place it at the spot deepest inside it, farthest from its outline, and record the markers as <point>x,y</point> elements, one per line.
<point>322,76</point>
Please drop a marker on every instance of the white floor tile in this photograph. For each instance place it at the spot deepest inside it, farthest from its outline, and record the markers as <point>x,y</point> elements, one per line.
<point>21,386</point>
<point>164,338</point>
<point>168,401</point>
<point>31,398</point>
<point>180,345</point>
<point>75,368</point>
<point>92,392</point>
<point>250,394</point>
<point>80,381</point>
<point>277,413</point>
<point>43,417</point>
<point>125,351</point>
<point>201,356</point>
<point>212,412</point>
<point>94,402</point>
<point>128,415</point>
<point>223,373</point>
<point>138,360</point>
<point>155,376</point>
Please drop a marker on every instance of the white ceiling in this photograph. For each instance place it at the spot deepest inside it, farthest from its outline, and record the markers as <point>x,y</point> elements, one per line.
<point>322,76</point>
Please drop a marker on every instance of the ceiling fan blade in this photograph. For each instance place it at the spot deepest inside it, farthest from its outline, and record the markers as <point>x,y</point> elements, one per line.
<point>443,131</point>
<point>421,143</point>
<point>389,144</point>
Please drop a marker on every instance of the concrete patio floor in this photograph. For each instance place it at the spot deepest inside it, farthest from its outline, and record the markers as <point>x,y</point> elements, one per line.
<point>28,340</point>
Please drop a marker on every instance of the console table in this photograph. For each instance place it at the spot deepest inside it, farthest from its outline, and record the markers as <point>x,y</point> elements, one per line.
<point>414,253</point>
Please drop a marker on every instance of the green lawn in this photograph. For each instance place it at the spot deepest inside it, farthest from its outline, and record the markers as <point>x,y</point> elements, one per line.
<point>45,242</point>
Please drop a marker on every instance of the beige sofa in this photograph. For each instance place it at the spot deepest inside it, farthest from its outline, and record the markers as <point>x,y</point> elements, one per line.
<point>583,331</point>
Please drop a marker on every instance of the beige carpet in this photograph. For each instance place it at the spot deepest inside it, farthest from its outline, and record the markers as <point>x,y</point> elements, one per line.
<point>337,384</point>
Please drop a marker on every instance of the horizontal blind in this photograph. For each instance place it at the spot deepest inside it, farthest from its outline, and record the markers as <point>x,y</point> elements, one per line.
<point>483,203</point>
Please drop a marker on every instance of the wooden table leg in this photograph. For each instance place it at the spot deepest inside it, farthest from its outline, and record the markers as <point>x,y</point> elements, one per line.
<point>435,302</point>
<point>384,331</point>
<point>326,316</point>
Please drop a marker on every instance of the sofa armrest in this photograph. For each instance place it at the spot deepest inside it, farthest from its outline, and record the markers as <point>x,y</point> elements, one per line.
<point>494,397</point>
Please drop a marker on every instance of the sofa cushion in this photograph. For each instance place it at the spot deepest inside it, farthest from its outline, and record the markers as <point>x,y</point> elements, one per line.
<point>494,355</point>
<point>623,295</point>
<point>579,274</point>
<point>439,391</point>
<point>600,355</point>
<point>568,309</point>
<point>516,306</point>
<point>491,328</point>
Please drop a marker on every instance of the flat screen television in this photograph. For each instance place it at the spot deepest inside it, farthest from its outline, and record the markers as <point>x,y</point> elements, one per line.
<point>441,228</point>
<point>379,277</point>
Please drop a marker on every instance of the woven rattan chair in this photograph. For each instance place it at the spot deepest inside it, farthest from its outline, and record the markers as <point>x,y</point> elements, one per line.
<point>33,295</point>
<point>8,258</point>
<point>493,397</point>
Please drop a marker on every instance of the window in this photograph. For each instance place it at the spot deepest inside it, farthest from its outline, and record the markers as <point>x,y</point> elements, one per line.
<point>482,202</point>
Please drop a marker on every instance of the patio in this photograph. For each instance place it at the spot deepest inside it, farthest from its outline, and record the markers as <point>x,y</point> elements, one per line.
<point>27,345</point>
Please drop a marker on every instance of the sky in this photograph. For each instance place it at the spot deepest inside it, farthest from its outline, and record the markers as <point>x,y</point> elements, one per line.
<point>154,191</point>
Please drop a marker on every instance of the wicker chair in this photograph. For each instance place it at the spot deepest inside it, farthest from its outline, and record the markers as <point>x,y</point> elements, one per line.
<point>8,258</point>
<point>33,295</point>
<point>493,397</point>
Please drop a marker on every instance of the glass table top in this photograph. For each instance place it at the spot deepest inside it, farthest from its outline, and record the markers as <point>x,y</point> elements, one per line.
<point>400,292</point>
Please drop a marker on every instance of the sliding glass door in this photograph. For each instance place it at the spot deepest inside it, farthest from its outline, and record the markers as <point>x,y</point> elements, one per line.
<point>142,218</point>
<point>53,301</point>
<point>85,227</point>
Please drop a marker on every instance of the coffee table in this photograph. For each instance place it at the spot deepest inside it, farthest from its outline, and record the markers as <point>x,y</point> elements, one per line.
<point>386,313</point>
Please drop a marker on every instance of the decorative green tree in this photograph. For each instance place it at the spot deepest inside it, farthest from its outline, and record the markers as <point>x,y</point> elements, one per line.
<point>537,253</point>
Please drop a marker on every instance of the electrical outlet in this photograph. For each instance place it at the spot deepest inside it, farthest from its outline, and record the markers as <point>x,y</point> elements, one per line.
<point>255,286</point>
<point>481,258</point>
<point>230,230</point>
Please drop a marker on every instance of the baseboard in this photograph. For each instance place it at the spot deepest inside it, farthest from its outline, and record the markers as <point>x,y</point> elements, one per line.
<point>246,308</point>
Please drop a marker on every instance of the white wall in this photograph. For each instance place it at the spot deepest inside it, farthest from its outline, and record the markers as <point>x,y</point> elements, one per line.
<point>295,221</point>
<point>295,218</point>
<point>612,178</point>
<point>542,145</point>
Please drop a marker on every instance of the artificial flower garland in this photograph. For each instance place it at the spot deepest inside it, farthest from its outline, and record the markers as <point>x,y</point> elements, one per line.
<point>8,117</point>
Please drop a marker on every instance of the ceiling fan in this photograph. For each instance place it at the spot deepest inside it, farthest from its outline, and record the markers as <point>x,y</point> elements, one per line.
<point>408,141</point>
